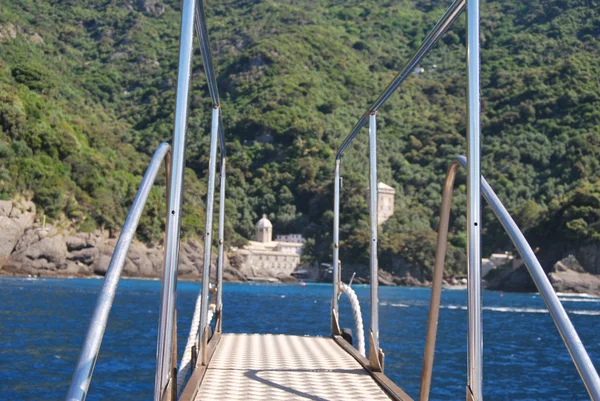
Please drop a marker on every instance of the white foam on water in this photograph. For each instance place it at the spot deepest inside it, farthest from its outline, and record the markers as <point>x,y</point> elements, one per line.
<point>516,310</point>
<point>585,312</point>
<point>593,300</point>
<point>503,309</point>
<point>453,307</point>
<point>395,305</point>
<point>571,295</point>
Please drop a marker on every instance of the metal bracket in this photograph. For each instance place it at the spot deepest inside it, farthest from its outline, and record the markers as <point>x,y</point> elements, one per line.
<point>340,291</point>
<point>351,279</point>
<point>194,359</point>
<point>218,321</point>
<point>167,394</point>
<point>376,357</point>
<point>173,383</point>
<point>470,396</point>
<point>335,325</point>
<point>204,346</point>
<point>172,386</point>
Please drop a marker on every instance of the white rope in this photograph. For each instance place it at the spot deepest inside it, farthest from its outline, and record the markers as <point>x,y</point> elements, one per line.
<point>186,359</point>
<point>358,321</point>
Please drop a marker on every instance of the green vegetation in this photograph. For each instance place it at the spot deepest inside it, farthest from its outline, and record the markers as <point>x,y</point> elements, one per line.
<point>87,92</point>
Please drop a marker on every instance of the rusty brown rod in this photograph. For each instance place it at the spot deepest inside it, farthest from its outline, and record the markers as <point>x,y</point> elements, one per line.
<point>436,282</point>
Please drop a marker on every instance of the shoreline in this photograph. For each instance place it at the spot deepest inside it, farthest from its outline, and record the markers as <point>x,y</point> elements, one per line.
<point>193,279</point>
<point>97,277</point>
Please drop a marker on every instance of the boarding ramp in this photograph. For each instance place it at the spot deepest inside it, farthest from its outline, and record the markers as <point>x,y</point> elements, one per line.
<point>248,367</point>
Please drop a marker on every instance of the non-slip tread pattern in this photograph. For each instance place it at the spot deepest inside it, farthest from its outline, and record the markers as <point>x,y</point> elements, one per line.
<point>248,367</point>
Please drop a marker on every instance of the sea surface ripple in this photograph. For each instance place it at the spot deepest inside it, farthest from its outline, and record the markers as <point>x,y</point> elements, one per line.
<point>43,322</point>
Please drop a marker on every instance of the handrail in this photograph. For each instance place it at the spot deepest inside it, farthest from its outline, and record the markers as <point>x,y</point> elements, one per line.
<point>375,353</point>
<point>581,359</point>
<point>220,250</point>
<point>213,89</point>
<point>210,196</point>
<point>95,332</point>
<point>447,19</point>
<point>474,319</point>
<point>165,376</point>
<point>192,19</point>
<point>202,34</point>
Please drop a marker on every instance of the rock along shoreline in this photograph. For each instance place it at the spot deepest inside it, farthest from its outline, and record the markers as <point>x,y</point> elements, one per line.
<point>30,249</point>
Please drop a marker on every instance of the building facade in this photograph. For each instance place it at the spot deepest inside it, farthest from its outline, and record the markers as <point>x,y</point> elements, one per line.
<point>264,257</point>
<point>290,238</point>
<point>385,202</point>
<point>496,260</point>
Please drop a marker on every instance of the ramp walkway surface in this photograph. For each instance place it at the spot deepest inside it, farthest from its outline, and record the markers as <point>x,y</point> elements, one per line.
<point>249,367</point>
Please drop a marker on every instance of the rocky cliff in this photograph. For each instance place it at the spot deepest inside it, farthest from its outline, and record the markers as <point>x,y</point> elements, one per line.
<point>569,276</point>
<point>15,217</point>
<point>566,275</point>
<point>29,248</point>
<point>394,274</point>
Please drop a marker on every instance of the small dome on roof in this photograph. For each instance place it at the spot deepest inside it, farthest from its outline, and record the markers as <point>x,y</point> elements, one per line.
<point>264,222</point>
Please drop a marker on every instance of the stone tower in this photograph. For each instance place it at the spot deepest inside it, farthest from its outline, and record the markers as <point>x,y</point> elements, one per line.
<point>264,230</point>
<point>385,202</point>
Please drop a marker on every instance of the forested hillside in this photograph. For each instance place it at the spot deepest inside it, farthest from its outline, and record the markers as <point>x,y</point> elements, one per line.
<point>87,93</point>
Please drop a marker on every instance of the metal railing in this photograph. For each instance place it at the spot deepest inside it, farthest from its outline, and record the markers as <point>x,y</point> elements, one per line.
<point>213,90</point>
<point>166,354</point>
<point>165,376</point>
<point>95,332</point>
<point>445,22</point>
<point>447,19</point>
<point>559,315</point>
<point>216,131</point>
<point>192,19</point>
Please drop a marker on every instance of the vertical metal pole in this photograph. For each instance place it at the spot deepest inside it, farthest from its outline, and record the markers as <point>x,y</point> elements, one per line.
<point>374,349</point>
<point>164,356</point>
<point>336,244</point>
<point>210,198</point>
<point>221,239</point>
<point>475,336</point>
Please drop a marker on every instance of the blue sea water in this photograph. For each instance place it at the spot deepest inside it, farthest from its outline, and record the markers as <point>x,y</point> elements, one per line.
<point>43,322</point>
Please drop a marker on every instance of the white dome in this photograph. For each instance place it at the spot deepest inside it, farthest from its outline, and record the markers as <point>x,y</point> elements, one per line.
<point>264,222</point>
